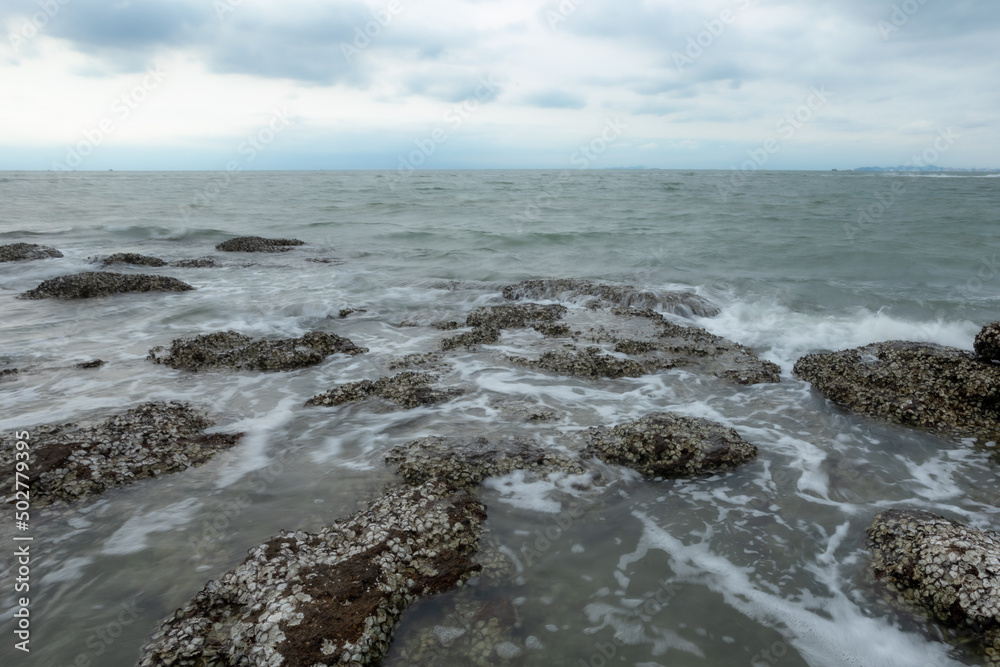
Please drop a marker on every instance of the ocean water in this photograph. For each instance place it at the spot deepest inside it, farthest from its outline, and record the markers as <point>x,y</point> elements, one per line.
<point>761,566</point>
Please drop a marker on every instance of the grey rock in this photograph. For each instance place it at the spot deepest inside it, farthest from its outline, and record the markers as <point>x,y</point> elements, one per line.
<point>332,597</point>
<point>257,244</point>
<point>942,567</point>
<point>407,390</point>
<point>132,258</point>
<point>987,343</point>
<point>22,252</point>
<point>596,294</point>
<point>235,351</point>
<point>100,283</point>
<point>663,444</point>
<point>588,363</point>
<point>152,439</point>
<point>914,384</point>
<point>199,263</point>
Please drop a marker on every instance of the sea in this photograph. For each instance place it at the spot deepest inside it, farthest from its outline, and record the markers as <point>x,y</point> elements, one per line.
<point>764,565</point>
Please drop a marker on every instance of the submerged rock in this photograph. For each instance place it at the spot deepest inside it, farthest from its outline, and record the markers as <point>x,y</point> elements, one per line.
<point>987,344</point>
<point>7,372</point>
<point>200,263</point>
<point>465,462</point>
<point>915,384</point>
<point>132,258</point>
<point>95,363</point>
<point>257,244</point>
<point>663,444</point>
<point>408,390</point>
<point>23,252</point>
<point>232,350</point>
<point>588,363</point>
<point>69,463</point>
<point>942,567</point>
<point>487,322</point>
<point>329,598</point>
<point>431,359</point>
<point>595,294</point>
<point>102,283</point>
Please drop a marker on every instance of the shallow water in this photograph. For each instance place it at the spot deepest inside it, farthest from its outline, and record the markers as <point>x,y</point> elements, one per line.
<point>763,565</point>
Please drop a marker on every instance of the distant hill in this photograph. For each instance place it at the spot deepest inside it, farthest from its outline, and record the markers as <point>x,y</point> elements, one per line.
<point>930,167</point>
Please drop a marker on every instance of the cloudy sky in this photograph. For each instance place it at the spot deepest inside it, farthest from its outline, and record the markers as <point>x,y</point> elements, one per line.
<point>314,84</point>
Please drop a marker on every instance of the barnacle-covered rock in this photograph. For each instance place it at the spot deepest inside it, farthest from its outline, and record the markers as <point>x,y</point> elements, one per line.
<point>465,462</point>
<point>408,390</point>
<point>199,263</point>
<point>487,322</point>
<point>257,244</point>
<point>987,343</point>
<point>588,363</point>
<point>101,283</point>
<point>943,567</point>
<point>93,363</point>
<point>132,258</point>
<point>663,444</point>
<point>23,252</point>
<point>593,294</point>
<point>232,350</point>
<point>329,598</point>
<point>151,439</point>
<point>915,384</point>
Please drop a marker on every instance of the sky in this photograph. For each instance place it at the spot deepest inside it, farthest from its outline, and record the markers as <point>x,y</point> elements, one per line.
<point>446,84</point>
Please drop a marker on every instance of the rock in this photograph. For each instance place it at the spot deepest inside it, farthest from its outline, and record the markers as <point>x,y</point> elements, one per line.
<point>465,462</point>
<point>232,350</point>
<point>23,252</point>
<point>942,567</point>
<point>8,372</point>
<point>96,363</point>
<point>663,444</point>
<point>915,384</point>
<point>987,343</point>
<point>344,312</point>
<point>329,598</point>
<point>607,295</point>
<point>132,258</point>
<point>257,244</point>
<point>487,322</point>
<point>588,363</point>
<point>151,439</point>
<point>472,338</point>
<point>200,263</point>
<point>101,283</point>
<point>431,359</point>
<point>408,390</point>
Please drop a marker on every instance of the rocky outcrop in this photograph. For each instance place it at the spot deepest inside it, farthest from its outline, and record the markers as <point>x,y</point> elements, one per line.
<point>593,294</point>
<point>663,444</point>
<point>987,343</point>
<point>257,244</point>
<point>407,390</point>
<point>235,351</point>
<point>588,363</point>
<point>23,252</point>
<point>329,598</point>
<point>915,384</point>
<point>101,283</point>
<point>487,322</point>
<point>93,363</point>
<point>132,258</point>
<point>69,463</point>
<point>943,568</point>
<point>8,372</point>
<point>465,462</point>
<point>200,263</point>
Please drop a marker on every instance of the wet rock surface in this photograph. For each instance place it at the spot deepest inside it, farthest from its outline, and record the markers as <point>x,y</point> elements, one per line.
<point>588,363</point>
<point>132,258</point>
<point>199,263</point>
<point>235,351</point>
<point>987,343</point>
<point>915,384</point>
<point>23,252</point>
<point>407,390</point>
<point>101,283</point>
<point>664,444</point>
<point>329,598</point>
<point>595,294</point>
<point>257,244</point>
<point>69,462</point>
<point>942,567</point>
<point>8,372</point>
<point>465,462</point>
<point>95,363</point>
<point>487,323</point>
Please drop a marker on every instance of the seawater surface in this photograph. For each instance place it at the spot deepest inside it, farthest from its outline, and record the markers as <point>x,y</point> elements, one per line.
<point>764,565</point>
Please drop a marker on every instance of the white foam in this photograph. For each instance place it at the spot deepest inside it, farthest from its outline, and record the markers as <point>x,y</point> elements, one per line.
<point>132,536</point>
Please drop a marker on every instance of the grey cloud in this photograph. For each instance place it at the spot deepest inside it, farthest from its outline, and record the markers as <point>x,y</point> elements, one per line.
<point>555,99</point>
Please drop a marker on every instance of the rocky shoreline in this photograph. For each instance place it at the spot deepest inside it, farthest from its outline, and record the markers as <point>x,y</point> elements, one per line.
<point>336,595</point>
